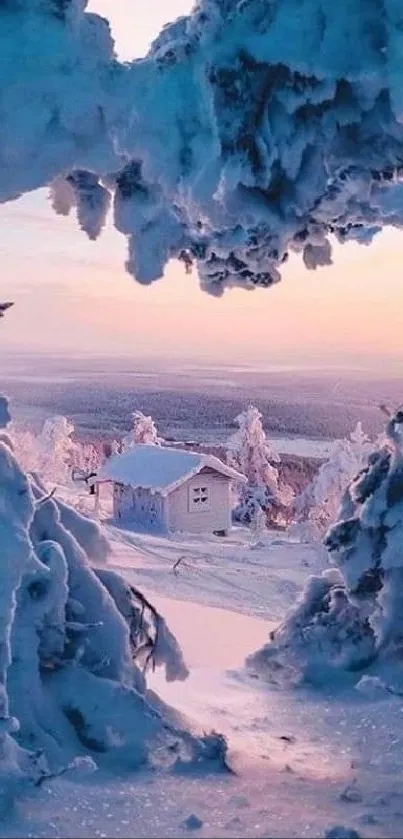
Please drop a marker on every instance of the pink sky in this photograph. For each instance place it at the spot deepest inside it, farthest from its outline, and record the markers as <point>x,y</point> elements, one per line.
<point>73,295</point>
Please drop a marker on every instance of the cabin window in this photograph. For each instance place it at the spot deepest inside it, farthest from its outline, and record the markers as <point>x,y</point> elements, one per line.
<point>199,498</point>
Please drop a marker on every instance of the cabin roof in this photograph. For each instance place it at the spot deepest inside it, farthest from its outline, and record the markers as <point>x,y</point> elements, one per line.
<point>160,468</point>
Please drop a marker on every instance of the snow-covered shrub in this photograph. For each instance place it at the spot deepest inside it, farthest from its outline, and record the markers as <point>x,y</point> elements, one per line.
<point>349,617</point>
<point>143,430</point>
<point>317,506</point>
<point>249,451</point>
<point>324,631</point>
<point>75,644</point>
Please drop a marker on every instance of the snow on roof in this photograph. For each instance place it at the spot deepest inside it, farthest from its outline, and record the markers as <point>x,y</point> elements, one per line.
<point>160,468</point>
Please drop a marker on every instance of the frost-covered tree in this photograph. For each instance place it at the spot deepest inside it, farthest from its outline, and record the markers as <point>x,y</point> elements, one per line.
<point>143,430</point>
<point>86,458</point>
<point>53,453</point>
<point>75,643</point>
<point>25,446</point>
<point>350,616</point>
<point>56,448</point>
<point>317,506</point>
<point>249,451</point>
<point>367,541</point>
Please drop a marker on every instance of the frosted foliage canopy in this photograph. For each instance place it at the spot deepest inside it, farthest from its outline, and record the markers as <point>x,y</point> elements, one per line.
<point>253,128</point>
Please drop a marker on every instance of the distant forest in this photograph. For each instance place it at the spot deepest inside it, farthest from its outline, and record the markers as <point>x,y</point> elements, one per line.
<point>195,407</point>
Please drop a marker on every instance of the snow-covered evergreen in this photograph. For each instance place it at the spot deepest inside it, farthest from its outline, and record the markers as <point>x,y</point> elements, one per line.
<point>249,451</point>
<point>367,541</point>
<point>317,506</point>
<point>349,617</point>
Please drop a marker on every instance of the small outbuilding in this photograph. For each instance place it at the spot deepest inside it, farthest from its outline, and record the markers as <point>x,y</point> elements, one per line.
<point>169,489</point>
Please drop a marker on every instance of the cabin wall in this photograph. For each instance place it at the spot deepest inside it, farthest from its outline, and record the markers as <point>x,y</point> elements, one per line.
<point>182,515</point>
<point>139,507</point>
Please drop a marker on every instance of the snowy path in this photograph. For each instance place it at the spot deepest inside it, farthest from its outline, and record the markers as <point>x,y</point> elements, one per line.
<point>283,787</point>
<point>321,742</point>
<point>294,752</point>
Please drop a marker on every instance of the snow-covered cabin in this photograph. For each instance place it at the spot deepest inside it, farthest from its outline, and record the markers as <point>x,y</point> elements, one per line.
<point>168,489</point>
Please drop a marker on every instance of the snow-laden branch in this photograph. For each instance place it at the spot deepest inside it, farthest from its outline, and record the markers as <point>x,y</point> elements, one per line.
<point>253,128</point>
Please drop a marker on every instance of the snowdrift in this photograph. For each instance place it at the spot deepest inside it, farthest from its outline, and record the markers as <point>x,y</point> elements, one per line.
<point>250,130</point>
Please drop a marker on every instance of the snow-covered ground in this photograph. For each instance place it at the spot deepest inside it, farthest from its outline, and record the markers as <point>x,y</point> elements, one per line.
<point>303,760</point>
<point>225,573</point>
